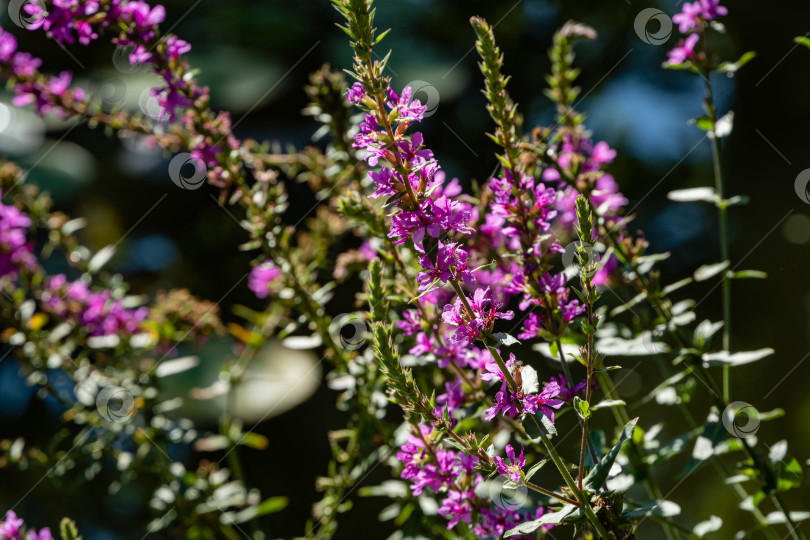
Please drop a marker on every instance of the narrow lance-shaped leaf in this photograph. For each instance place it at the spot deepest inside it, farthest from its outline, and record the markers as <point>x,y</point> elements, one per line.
<point>597,476</point>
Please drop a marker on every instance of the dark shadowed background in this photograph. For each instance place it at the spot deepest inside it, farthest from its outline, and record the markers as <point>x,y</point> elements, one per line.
<point>256,56</point>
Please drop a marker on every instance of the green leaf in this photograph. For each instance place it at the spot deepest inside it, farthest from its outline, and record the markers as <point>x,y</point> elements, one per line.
<point>725,358</point>
<point>597,476</point>
<point>710,270</point>
<point>705,527</point>
<point>608,403</point>
<point>677,285</point>
<point>747,274</point>
<point>731,68</point>
<point>775,518</point>
<point>704,123</point>
<point>582,407</point>
<point>737,200</point>
<point>505,339</point>
<point>271,506</point>
<point>802,40</point>
<point>722,128</point>
<point>704,331</point>
<point>536,467</point>
<point>553,518</point>
<point>101,258</point>
<point>537,425</point>
<point>705,194</point>
<point>658,508</point>
<point>68,530</point>
<point>705,445</point>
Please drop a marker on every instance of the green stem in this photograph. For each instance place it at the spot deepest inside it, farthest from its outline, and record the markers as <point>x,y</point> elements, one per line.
<point>622,417</point>
<point>550,493</point>
<point>723,219</point>
<point>569,480</point>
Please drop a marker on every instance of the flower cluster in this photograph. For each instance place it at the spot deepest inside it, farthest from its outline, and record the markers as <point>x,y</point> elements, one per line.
<point>96,311</point>
<point>206,134</point>
<point>13,528</point>
<point>452,475</point>
<point>15,249</point>
<point>691,21</point>
<point>45,94</point>
<point>582,160</point>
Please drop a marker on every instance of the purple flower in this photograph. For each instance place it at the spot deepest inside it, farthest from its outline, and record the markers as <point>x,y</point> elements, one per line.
<point>16,252</point>
<point>688,18</point>
<point>413,452</point>
<point>412,151</point>
<point>423,345</point>
<point>692,14</point>
<point>450,264</point>
<point>547,400</point>
<point>532,325</point>
<point>683,51</point>
<point>505,403</point>
<point>143,17</point>
<point>44,534</point>
<point>405,109</point>
<point>513,469</point>
<point>496,521</point>
<point>493,370</point>
<point>458,506</point>
<point>10,528</point>
<point>8,45</point>
<point>431,218</point>
<point>484,315</point>
<point>441,471</point>
<point>384,180</point>
<point>356,92</point>
<point>711,9</point>
<point>262,276</point>
<point>410,323</point>
<point>453,396</point>
<point>176,47</point>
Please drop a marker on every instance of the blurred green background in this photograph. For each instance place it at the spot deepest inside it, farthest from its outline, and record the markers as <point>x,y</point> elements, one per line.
<point>262,52</point>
